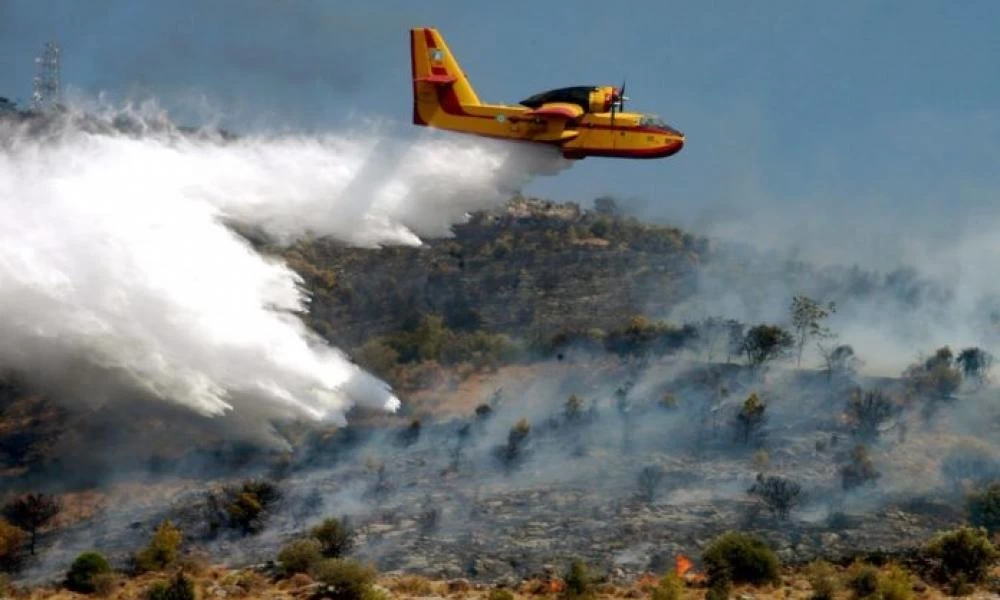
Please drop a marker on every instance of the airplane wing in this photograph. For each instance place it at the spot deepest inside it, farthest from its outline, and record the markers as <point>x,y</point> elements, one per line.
<point>556,115</point>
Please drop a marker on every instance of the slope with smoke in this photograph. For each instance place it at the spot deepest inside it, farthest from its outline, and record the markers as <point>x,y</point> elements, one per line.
<point>119,275</point>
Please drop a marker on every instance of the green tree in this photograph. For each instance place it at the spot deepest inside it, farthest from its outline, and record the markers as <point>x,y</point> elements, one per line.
<point>578,580</point>
<point>808,317</point>
<point>765,343</point>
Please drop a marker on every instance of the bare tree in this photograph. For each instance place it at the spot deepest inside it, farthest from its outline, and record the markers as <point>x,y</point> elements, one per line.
<point>807,320</point>
<point>649,482</point>
<point>867,411</point>
<point>780,495</point>
<point>975,363</point>
<point>838,360</point>
<point>31,512</point>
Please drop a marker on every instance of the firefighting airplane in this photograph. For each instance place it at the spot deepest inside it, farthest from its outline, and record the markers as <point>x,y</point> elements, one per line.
<point>583,121</point>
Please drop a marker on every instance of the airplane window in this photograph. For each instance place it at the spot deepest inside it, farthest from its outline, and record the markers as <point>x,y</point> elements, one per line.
<point>656,123</point>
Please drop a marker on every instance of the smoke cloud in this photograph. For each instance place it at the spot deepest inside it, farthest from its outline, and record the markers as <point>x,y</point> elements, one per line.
<point>119,275</point>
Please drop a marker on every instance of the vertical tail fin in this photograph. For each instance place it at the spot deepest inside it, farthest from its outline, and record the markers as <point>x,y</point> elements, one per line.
<point>435,70</point>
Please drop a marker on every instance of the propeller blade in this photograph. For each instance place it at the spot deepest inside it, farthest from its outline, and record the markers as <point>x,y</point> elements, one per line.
<point>621,96</point>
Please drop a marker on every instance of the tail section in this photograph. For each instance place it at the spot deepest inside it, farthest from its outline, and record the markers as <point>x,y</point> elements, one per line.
<point>438,81</point>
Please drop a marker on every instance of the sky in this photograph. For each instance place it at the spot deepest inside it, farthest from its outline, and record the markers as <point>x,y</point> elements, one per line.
<point>865,131</point>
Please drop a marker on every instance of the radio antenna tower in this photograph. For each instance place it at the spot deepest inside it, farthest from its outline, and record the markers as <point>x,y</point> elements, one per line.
<point>45,89</point>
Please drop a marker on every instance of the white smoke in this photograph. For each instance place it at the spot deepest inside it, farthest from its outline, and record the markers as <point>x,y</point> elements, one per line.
<point>117,273</point>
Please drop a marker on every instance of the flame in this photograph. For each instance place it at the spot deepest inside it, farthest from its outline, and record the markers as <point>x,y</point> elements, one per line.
<point>682,565</point>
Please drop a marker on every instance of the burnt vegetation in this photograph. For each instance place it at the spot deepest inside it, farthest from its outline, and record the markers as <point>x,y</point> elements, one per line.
<point>562,402</point>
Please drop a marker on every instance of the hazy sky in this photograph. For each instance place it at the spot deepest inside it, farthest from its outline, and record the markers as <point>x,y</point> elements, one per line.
<point>856,126</point>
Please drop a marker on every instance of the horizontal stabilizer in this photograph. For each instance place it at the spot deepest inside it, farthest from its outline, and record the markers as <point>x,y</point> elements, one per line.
<point>438,79</point>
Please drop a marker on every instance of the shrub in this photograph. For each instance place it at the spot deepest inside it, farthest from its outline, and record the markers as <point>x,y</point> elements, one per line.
<point>937,378</point>
<point>780,495</point>
<point>180,587</point>
<point>414,585</point>
<point>574,408</point>
<point>867,411</point>
<point>984,508</point>
<point>578,580</point>
<point>501,595</point>
<point>740,558</point>
<point>859,471</point>
<point>342,579</point>
<point>862,579</point>
<point>761,459</point>
<point>11,543</point>
<point>895,585</point>
<point>751,419</point>
<point>244,507</point>
<point>719,590</point>
<point>299,556</point>
<point>80,577</point>
<point>513,451</point>
<point>822,578</point>
<point>104,583</point>
<point>963,553</point>
<point>670,588</point>
<point>162,549</point>
<point>335,536</point>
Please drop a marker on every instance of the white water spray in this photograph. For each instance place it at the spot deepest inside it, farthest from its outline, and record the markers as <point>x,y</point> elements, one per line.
<point>117,272</point>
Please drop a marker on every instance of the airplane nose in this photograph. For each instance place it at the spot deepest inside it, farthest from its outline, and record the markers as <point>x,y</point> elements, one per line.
<point>674,145</point>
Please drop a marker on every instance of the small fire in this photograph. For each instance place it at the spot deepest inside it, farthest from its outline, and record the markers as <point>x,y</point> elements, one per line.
<point>684,569</point>
<point>682,565</point>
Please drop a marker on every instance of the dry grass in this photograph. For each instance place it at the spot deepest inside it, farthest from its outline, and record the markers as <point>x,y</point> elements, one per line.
<point>248,584</point>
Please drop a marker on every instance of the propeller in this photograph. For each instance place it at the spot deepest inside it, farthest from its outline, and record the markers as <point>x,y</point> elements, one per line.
<point>619,101</point>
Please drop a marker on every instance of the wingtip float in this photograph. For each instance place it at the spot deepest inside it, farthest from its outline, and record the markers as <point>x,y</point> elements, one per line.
<point>582,120</point>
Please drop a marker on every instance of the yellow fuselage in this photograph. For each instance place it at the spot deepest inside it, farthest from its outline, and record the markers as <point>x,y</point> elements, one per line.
<point>444,99</point>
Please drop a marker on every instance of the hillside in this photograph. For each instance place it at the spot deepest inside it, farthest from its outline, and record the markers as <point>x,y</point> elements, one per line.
<point>533,266</point>
<point>549,413</point>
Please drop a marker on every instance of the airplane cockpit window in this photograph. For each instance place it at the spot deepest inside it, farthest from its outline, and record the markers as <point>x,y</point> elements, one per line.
<point>656,122</point>
<point>579,95</point>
